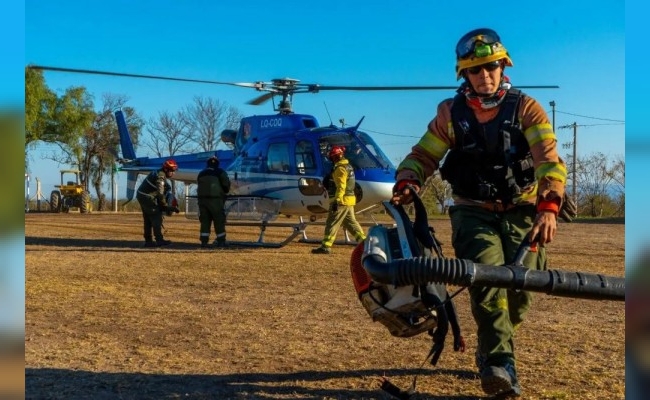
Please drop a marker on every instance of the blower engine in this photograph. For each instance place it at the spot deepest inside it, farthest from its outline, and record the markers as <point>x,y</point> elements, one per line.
<point>400,308</point>
<point>411,309</point>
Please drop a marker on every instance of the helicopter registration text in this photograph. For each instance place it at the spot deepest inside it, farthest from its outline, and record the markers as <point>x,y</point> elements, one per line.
<point>271,123</point>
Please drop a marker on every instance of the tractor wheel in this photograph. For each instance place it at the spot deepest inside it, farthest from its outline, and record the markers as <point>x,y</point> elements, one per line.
<point>55,201</point>
<point>84,207</point>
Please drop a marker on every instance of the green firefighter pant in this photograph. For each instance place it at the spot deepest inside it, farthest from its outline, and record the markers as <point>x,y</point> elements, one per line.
<point>344,216</point>
<point>211,213</point>
<point>152,217</point>
<point>493,238</point>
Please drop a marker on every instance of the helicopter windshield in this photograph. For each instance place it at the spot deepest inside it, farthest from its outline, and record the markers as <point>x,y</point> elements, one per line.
<point>361,150</point>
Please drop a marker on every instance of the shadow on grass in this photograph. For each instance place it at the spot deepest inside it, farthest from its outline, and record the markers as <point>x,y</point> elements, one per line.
<point>51,383</point>
<point>116,245</point>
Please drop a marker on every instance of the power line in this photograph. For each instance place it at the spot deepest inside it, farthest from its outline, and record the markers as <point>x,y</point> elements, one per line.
<point>387,134</point>
<point>586,116</point>
<point>620,123</point>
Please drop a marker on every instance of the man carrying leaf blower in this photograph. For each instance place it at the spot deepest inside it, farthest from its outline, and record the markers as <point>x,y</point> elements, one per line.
<point>508,183</point>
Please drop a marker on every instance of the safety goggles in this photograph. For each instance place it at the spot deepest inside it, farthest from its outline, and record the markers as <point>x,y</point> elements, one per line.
<point>489,67</point>
<point>467,44</point>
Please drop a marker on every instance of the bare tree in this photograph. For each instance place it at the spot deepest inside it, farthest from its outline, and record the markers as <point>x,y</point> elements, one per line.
<point>618,183</point>
<point>207,117</point>
<point>594,178</point>
<point>169,134</point>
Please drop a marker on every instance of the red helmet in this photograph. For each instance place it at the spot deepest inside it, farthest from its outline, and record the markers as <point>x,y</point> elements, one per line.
<point>336,152</point>
<point>170,165</point>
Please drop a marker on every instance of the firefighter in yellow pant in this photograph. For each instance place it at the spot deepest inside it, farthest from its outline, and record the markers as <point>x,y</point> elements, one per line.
<point>342,202</point>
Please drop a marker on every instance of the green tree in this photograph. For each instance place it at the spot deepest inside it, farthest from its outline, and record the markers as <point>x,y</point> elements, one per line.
<point>40,103</point>
<point>73,116</point>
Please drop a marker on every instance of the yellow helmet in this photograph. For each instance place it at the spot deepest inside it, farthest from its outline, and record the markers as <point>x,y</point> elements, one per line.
<point>478,47</point>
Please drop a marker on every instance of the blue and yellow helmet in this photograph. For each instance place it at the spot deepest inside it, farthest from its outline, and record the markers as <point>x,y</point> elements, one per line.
<point>478,47</point>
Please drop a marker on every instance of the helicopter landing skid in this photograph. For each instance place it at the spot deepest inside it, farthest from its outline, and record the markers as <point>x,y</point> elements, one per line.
<point>345,241</point>
<point>297,229</point>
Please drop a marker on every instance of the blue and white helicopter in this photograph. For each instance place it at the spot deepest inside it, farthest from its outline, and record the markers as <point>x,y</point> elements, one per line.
<point>277,164</point>
<point>281,157</point>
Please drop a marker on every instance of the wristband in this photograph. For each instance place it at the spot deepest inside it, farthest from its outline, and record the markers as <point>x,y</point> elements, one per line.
<point>405,182</point>
<point>548,205</point>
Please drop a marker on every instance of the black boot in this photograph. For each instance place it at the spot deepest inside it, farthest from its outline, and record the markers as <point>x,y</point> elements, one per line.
<point>501,380</point>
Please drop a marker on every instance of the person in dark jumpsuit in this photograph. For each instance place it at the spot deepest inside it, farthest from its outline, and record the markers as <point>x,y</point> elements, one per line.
<point>151,196</point>
<point>213,185</point>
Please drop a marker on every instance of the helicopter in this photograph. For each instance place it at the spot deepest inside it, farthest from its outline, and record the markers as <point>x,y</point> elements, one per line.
<point>276,162</point>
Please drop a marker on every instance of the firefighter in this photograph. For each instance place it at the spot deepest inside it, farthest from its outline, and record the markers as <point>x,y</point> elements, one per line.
<point>342,201</point>
<point>213,185</point>
<point>151,196</point>
<point>507,184</point>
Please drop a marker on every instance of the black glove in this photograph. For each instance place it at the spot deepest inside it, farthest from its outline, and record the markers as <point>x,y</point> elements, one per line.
<point>335,207</point>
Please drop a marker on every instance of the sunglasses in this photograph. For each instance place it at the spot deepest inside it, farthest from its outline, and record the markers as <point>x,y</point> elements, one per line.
<point>489,67</point>
<point>467,44</point>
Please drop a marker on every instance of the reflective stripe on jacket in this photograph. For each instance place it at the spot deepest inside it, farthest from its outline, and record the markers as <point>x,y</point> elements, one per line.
<point>153,186</point>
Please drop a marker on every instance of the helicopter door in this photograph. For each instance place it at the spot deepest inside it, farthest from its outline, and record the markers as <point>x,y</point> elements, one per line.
<point>306,164</point>
<point>305,157</point>
<point>278,160</point>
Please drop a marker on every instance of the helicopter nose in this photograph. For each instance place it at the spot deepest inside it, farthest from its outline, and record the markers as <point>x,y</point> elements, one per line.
<point>374,192</point>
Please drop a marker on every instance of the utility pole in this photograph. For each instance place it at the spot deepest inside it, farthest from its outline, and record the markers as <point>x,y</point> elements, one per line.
<point>552,103</point>
<point>575,159</point>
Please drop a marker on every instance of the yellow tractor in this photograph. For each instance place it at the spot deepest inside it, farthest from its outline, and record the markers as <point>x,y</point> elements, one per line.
<point>70,193</point>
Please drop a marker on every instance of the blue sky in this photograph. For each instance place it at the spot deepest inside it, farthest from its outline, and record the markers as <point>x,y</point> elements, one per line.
<point>334,43</point>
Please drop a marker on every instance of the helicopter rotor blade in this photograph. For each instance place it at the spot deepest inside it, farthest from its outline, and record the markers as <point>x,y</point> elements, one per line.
<point>261,99</point>
<point>167,78</point>
<point>316,88</point>
<point>284,86</point>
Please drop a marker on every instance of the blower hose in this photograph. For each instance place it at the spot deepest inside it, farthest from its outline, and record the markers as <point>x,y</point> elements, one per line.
<point>424,270</point>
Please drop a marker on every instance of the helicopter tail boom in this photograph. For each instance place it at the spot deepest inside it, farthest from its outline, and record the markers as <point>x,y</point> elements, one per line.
<point>128,152</point>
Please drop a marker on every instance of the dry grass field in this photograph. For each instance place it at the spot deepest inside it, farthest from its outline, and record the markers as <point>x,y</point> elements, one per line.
<point>108,319</point>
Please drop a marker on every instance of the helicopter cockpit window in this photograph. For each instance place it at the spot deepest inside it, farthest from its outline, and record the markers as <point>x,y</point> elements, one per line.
<point>277,159</point>
<point>360,150</point>
<point>305,157</point>
<point>371,147</point>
